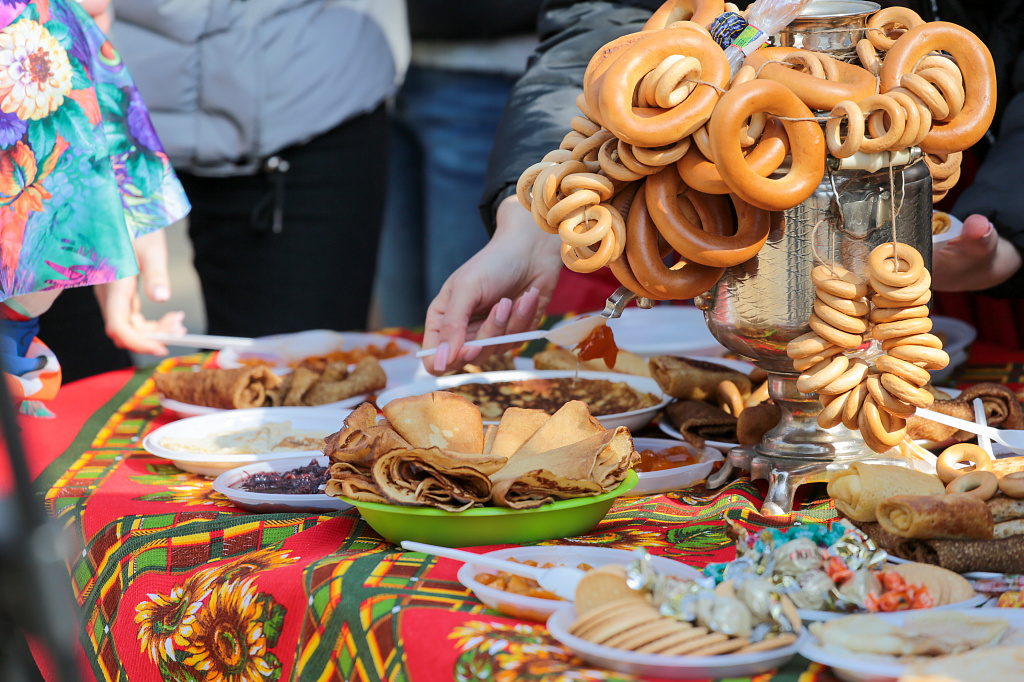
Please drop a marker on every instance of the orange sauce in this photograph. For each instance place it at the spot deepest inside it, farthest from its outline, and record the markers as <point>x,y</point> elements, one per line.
<point>669,458</point>
<point>600,343</point>
<point>349,357</point>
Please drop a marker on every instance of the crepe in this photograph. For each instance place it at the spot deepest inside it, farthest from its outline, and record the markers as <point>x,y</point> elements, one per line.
<point>953,516</point>
<point>570,424</point>
<point>999,663</point>
<point>1005,508</point>
<point>516,427</point>
<point>562,358</point>
<point>698,421</point>
<point>858,490</point>
<point>367,376</point>
<point>439,419</point>
<point>221,388</point>
<point>432,477</point>
<point>579,469</point>
<point>923,633</point>
<point>355,486</point>
<point>1002,410</point>
<point>999,556</point>
<point>686,379</point>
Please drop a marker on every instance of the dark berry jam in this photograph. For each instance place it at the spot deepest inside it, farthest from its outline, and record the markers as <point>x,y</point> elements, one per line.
<point>304,480</point>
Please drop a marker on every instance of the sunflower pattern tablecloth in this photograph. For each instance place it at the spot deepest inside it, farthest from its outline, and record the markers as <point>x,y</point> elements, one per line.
<point>176,583</point>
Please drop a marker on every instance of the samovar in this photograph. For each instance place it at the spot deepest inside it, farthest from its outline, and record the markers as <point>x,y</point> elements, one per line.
<point>759,306</point>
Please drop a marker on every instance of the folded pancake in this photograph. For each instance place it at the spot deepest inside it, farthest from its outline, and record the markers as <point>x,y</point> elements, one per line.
<point>302,379</point>
<point>858,490</point>
<point>362,439</point>
<point>367,376</point>
<point>353,484</point>
<point>953,516</point>
<point>517,426</point>
<point>998,556</point>
<point>1005,508</point>
<point>562,358</point>
<point>571,423</point>
<point>583,468</point>
<point>686,379</point>
<point>998,663</point>
<point>221,388</point>
<point>1002,410</point>
<point>432,477</point>
<point>439,419</point>
<point>698,421</point>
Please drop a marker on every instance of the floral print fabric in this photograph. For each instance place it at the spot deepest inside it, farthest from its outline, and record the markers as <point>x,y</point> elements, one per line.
<point>82,171</point>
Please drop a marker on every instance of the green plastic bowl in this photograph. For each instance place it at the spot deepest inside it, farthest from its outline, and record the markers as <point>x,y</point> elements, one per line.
<point>491,525</point>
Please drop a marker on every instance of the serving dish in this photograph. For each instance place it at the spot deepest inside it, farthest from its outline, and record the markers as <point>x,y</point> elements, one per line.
<point>811,615</point>
<point>226,421</point>
<point>269,503</point>
<point>860,667</point>
<point>535,608</point>
<point>491,525</point>
<point>662,330</point>
<point>669,667</point>
<point>654,482</point>
<point>633,419</point>
<point>293,348</point>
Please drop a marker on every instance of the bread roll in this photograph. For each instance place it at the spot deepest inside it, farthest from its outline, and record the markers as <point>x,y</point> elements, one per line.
<point>857,491</point>
<point>955,516</point>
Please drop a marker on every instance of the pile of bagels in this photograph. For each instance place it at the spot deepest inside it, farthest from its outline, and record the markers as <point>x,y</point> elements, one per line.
<point>672,154</point>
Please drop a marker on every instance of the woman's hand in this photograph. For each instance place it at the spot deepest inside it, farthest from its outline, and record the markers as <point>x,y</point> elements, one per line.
<point>121,305</point>
<point>977,259</point>
<point>503,289</point>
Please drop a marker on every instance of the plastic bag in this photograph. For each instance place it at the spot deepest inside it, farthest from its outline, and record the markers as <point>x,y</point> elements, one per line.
<point>764,19</point>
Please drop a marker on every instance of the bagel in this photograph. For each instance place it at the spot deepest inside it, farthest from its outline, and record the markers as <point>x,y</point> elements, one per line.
<point>854,83</point>
<point>945,465</point>
<point>981,484</point>
<point>699,172</point>
<point>701,12</point>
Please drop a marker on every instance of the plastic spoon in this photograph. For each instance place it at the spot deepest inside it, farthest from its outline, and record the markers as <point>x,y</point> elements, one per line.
<point>568,335</point>
<point>202,340</point>
<point>310,343</point>
<point>1012,439</point>
<point>560,580</point>
<point>980,418</point>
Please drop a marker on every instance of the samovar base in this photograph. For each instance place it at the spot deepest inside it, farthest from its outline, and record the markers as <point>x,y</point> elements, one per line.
<point>785,474</point>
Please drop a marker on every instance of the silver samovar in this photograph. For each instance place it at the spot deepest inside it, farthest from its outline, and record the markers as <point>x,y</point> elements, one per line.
<point>759,306</point>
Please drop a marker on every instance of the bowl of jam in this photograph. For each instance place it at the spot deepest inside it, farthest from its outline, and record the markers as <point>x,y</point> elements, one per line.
<point>667,465</point>
<point>278,485</point>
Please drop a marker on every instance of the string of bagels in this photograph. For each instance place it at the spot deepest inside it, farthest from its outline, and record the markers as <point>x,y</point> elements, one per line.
<point>672,155</point>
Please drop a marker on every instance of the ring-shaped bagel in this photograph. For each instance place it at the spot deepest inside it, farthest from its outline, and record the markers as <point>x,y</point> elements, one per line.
<point>890,330</point>
<point>897,123</point>
<point>945,465</point>
<point>696,243</point>
<point>568,205</point>
<point>981,484</point>
<point>929,358</point>
<point>628,158</point>
<point>836,336</point>
<point>838,281</point>
<point>676,83</point>
<point>1012,485</point>
<point>854,83</point>
<point>584,126</point>
<point>842,321</point>
<point>880,301</point>
<point>909,293</point>
<point>903,369</point>
<point>928,93</point>
<point>914,117</point>
<point>822,374</point>
<point>655,127</point>
<point>868,57</point>
<point>700,173</point>
<point>729,396</point>
<point>883,315</point>
<point>946,184</point>
<point>806,143</point>
<point>586,259</point>
<point>645,91</point>
<point>893,17</point>
<point>885,428</point>
<point>832,412</point>
<point>885,263</point>
<point>662,156</point>
<point>524,187</point>
<point>803,364</point>
<point>701,12</point>
<point>857,307</point>
<point>610,162</point>
<point>906,391</point>
<point>951,89</point>
<point>806,345</point>
<point>842,149</point>
<point>943,165</point>
<point>851,410</point>
<point>975,62</point>
<point>854,374</point>
<point>925,340</point>
<point>585,226</point>
<point>597,67</point>
<point>887,401</point>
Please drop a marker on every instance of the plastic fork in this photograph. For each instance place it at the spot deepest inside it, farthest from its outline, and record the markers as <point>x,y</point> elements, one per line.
<point>980,418</point>
<point>1012,439</point>
<point>560,580</point>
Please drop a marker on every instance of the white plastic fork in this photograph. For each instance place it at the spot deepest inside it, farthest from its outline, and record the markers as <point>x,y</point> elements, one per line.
<point>980,418</point>
<point>560,580</point>
<point>1012,439</point>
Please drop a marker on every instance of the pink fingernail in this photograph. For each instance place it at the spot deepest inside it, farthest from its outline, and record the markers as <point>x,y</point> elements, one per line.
<point>504,310</point>
<point>472,353</point>
<point>161,294</point>
<point>441,357</point>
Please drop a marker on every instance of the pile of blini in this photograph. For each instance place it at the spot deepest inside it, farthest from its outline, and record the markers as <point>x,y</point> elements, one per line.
<point>877,401</point>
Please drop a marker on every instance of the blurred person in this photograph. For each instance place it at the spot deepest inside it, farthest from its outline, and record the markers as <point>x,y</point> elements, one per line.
<point>466,55</point>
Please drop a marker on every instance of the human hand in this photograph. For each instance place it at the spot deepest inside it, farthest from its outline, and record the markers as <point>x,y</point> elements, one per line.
<point>503,289</point>
<point>99,10</point>
<point>977,259</point>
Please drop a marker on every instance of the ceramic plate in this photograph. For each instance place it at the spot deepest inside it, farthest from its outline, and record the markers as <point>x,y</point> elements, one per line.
<point>275,502</point>
<point>634,419</point>
<point>810,615</point>
<point>662,330</point>
<point>319,419</point>
<point>293,348</point>
<point>857,667</point>
<point>535,608</point>
<point>973,575</point>
<point>669,667</point>
<point>654,482</point>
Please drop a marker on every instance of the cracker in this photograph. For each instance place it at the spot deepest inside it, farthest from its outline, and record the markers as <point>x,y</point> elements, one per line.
<point>633,617</point>
<point>729,646</point>
<point>644,634</point>
<point>944,586</point>
<point>609,610</point>
<point>686,634</point>
<point>686,648</point>
<point>777,642</point>
<point>602,586</point>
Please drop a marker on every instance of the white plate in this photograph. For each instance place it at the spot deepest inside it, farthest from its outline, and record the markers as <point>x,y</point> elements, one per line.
<point>534,608</point>
<point>270,503</point>
<point>959,334</point>
<point>809,615</point>
<point>301,345</point>
<point>662,330</point>
<point>972,575</point>
<point>654,482</point>
<point>634,419</point>
<point>301,418</point>
<point>669,667</point>
<point>858,667</point>
<point>955,228</point>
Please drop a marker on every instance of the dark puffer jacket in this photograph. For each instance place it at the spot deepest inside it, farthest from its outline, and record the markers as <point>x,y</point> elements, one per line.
<point>543,101</point>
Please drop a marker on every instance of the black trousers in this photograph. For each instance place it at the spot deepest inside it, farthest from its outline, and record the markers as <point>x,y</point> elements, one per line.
<point>284,251</point>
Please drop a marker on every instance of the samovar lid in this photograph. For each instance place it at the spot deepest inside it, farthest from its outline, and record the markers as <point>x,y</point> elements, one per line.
<point>837,9</point>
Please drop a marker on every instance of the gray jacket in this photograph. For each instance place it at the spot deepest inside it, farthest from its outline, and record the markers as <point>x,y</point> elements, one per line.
<point>230,82</point>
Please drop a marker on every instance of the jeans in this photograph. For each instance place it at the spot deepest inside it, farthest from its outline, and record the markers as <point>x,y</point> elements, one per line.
<point>444,125</point>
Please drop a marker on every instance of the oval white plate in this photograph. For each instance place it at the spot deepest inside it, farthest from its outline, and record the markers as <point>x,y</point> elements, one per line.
<point>863,668</point>
<point>955,228</point>
<point>662,330</point>
<point>301,345</point>
<point>669,667</point>
<point>809,615</point>
<point>654,482</point>
<point>534,608</point>
<point>269,503</point>
<point>631,420</point>
<point>301,418</point>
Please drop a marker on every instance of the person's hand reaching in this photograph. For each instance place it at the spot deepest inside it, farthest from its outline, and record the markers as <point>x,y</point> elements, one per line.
<point>976,259</point>
<point>503,289</point>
